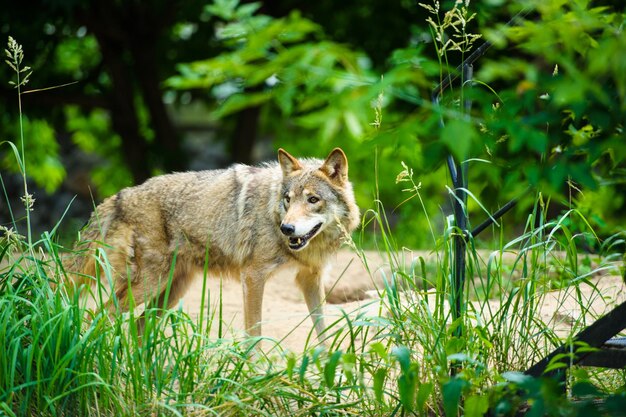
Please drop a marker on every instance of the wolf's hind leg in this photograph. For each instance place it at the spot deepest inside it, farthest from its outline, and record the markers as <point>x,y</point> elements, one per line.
<point>168,298</point>
<point>310,283</point>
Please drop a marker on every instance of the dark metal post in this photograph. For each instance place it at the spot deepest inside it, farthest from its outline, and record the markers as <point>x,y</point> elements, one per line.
<point>458,172</point>
<point>459,177</point>
<point>461,221</point>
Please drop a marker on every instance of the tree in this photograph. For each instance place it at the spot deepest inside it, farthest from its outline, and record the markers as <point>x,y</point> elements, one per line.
<point>267,68</point>
<point>549,110</point>
<point>118,53</point>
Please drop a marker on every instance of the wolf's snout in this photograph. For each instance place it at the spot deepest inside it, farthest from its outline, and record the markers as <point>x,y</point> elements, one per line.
<point>287,229</point>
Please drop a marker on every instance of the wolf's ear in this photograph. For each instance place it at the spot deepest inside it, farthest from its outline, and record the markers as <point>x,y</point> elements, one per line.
<point>287,162</point>
<point>336,166</point>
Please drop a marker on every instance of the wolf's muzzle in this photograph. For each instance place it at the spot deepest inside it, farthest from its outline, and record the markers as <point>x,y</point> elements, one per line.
<point>299,242</point>
<point>287,229</point>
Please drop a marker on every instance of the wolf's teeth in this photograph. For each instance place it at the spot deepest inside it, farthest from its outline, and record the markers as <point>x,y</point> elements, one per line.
<point>299,241</point>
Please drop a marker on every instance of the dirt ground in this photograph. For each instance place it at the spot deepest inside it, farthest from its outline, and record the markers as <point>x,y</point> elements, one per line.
<point>353,291</point>
<point>285,315</point>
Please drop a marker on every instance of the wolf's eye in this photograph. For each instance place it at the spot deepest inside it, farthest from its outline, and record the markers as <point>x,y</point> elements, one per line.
<point>313,200</point>
<point>287,199</point>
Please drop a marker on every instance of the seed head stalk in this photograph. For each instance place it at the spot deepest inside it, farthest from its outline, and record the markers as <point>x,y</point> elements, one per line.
<point>16,55</point>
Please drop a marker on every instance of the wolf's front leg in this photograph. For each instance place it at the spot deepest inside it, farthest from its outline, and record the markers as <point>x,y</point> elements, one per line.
<point>253,284</point>
<point>310,282</point>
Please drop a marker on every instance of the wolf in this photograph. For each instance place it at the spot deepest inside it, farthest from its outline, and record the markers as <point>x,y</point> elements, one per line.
<point>244,221</point>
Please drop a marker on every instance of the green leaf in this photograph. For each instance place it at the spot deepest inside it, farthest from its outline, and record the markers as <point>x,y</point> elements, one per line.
<point>331,367</point>
<point>353,124</point>
<point>455,345</point>
<point>348,365</point>
<point>223,8</point>
<point>285,98</point>
<point>581,173</point>
<point>291,364</point>
<point>476,405</point>
<point>516,377</point>
<point>553,366</point>
<point>451,392</point>
<point>586,389</point>
<point>379,349</point>
<point>407,385</point>
<point>238,102</point>
<point>423,392</point>
<point>407,381</point>
<point>458,136</point>
<point>247,10</point>
<point>403,355</point>
<point>380,375</point>
<point>303,367</point>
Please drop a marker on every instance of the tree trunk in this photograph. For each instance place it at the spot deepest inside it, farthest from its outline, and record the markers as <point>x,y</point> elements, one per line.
<point>111,39</point>
<point>165,137</point>
<point>123,112</point>
<point>245,135</point>
<point>144,37</point>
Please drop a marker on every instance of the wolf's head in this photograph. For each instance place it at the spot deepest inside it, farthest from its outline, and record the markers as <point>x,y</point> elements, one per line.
<point>315,196</point>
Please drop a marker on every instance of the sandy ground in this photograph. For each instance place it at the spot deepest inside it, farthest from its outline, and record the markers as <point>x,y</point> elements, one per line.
<point>353,291</point>
<point>285,315</point>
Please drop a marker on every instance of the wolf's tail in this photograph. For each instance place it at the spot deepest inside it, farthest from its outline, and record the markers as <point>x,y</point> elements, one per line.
<point>80,265</point>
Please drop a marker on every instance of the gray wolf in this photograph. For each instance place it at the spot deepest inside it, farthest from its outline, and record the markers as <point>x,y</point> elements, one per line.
<point>247,221</point>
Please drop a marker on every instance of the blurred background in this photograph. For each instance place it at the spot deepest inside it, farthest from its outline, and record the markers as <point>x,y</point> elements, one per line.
<point>124,90</point>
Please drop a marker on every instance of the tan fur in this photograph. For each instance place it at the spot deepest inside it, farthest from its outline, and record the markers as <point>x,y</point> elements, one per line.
<point>236,214</point>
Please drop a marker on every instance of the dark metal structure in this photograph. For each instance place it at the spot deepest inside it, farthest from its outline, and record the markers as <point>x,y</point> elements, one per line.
<point>459,176</point>
<point>610,351</point>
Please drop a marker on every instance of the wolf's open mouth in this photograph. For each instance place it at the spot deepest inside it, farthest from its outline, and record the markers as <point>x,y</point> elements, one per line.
<point>298,242</point>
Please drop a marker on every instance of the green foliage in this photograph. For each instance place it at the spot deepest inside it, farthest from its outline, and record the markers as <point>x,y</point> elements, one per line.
<point>568,108</point>
<point>548,99</point>
<point>42,152</point>
<point>42,148</point>
<point>543,397</point>
<point>315,93</point>
<point>274,61</point>
<point>549,124</point>
<point>92,134</point>
<point>76,56</point>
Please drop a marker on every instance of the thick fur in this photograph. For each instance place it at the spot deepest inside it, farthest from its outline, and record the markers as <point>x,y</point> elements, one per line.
<point>239,215</point>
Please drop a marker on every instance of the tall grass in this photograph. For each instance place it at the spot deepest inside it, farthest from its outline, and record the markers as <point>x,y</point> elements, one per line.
<point>60,358</point>
<point>505,326</point>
